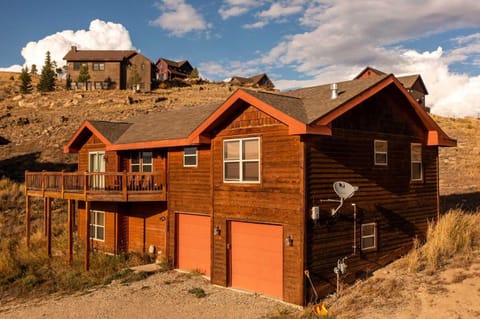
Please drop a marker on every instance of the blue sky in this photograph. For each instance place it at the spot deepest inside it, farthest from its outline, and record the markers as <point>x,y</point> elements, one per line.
<point>297,43</point>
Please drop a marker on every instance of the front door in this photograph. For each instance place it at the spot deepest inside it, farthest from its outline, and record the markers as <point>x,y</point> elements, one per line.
<point>96,164</point>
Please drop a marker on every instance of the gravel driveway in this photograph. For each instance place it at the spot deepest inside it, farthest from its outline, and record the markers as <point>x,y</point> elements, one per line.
<point>162,295</point>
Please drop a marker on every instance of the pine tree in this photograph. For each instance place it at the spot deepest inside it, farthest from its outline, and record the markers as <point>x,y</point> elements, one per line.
<point>47,77</point>
<point>83,75</point>
<point>33,71</point>
<point>25,81</point>
<point>194,74</point>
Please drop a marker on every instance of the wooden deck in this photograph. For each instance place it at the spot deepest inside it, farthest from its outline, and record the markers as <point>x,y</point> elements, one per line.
<point>106,187</point>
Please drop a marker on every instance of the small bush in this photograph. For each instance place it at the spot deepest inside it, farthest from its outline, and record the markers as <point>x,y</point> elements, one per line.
<point>198,292</point>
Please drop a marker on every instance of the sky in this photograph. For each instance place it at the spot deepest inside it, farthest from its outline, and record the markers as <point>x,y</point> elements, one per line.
<point>298,43</point>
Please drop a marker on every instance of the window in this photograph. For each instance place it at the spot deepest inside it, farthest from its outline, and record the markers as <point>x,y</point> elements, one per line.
<point>98,66</point>
<point>416,161</point>
<point>241,160</point>
<point>369,236</point>
<point>98,85</point>
<point>381,152</point>
<point>77,65</point>
<point>80,85</point>
<point>190,157</point>
<point>97,225</point>
<point>141,162</point>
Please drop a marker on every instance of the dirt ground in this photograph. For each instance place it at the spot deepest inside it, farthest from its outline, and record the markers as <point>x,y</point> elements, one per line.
<point>162,295</point>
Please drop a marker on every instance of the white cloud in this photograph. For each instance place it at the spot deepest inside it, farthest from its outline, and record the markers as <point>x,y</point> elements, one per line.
<point>101,35</point>
<point>279,10</point>
<point>12,68</point>
<point>234,8</point>
<point>256,25</point>
<point>179,18</point>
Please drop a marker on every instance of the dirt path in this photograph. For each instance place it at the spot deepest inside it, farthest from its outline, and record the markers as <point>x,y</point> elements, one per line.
<point>163,295</point>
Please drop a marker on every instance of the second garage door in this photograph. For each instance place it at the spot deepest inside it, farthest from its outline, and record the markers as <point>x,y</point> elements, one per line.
<point>193,243</point>
<point>256,257</point>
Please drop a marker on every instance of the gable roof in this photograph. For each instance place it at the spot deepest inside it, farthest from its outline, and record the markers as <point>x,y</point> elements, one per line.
<point>253,80</point>
<point>368,72</point>
<point>98,55</point>
<point>409,81</point>
<point>304,111</point>
<point>177,64</point>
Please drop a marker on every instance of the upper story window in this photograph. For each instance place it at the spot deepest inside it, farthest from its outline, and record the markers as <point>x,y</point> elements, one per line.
<point>381,152</point>
<point>369,236</point>
<point>76,66</point>
<point>141,162</point>
<point>241,160</point>
<point>98,66</point>
<point>97,225</point>
<point>189,157</point>
<point>416,161</point>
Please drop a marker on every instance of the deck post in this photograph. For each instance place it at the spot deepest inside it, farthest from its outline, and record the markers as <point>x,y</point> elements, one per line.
<point>124,185</point>
<point>49,227</point>
<point>87,236</point>
<point>63,183</point>
<point>85,180</point>
<point>45,204</point>
<point>27,220</point>
<point>70,232</point>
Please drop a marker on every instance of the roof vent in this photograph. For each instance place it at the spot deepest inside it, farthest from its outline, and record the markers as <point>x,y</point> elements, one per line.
<point>333,88</point>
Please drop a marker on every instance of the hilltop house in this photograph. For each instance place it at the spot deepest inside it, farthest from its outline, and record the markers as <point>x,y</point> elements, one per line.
<point>242,191</point>
<point>256,81</point>
<point>110,69</point>
<point>170,70</point>
<point>413,83</point>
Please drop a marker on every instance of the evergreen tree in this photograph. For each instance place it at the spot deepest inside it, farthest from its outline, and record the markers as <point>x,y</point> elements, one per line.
<point>25,81</point>
<point>83,75</point>
<point>34,71</point>
<point>68,82</point>
<point>47,77</point>
<point>194,74</point>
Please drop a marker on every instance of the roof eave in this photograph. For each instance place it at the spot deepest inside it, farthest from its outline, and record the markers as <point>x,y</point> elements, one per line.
<point>68,148</point>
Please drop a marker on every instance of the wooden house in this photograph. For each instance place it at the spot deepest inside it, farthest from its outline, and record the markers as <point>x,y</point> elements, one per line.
<point>413,83</point>
<point>257,81</point>
<point>110,69</point>
<point>229,189</point>
<point>170,70</point>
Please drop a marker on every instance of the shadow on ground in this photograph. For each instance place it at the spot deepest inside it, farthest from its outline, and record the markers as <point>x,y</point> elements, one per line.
<point>14,168</point>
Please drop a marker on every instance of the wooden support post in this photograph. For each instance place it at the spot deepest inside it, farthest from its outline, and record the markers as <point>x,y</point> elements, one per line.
<point>27,220</point>
<point>87,236</point>
<point>49,227</point>
<point>124,185</point>
<point>45,204</point>
<point>70,232</point>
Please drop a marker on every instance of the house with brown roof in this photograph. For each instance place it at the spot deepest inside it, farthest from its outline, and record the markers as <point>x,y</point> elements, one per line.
<point>257,81</point>
<point>110,69</point>
<point>413,83</point>
<point>169,70</point>
<point>257,190</point>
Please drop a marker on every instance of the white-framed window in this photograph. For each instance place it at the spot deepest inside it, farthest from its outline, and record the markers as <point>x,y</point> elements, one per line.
<point>369,236</point>
<point>98,66</point>
<point>241,160</point>
<point>98,85</point>
<point>97,225</point>
<point>416,161</point>
<point>190,156</point>
<point>141,162</point>
<point>380,152</point>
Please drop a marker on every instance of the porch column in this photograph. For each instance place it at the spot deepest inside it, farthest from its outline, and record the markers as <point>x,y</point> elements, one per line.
<point>49,226</point>
<point>70,221</point>
<point>45,204</point>
<point>87,235</point>
<point>27,220</point>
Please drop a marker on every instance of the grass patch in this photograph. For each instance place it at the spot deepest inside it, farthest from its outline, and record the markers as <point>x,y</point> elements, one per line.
<point>198,292</point>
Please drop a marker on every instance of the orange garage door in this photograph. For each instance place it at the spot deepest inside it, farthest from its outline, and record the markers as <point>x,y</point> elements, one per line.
<point>256,261</point>
<point>193,243</point>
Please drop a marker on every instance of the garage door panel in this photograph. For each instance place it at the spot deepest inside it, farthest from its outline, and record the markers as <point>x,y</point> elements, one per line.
<point>194,243</point>
<point>256,261</point>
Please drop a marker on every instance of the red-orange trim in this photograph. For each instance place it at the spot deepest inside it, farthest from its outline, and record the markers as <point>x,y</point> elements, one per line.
<point>151,144</point>
<point>85,125</point>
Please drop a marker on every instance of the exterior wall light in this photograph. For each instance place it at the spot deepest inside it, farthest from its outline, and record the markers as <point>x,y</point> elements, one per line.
<point>289,240</point>
<point>217,231</point>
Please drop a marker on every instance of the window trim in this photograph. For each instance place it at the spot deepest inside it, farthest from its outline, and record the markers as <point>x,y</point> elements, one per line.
<point>190,155</point>
<point>97,66</point>
<point>93,225</point>
<point>240,160</point>
<point>412,162</point>
<point>375,152</point>
<point>374,235</point>
<point>140,164</point>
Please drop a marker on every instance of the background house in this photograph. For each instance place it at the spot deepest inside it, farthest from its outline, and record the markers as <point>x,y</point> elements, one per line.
<point>170,70</point>
<point>256,81</point>
<point>229,189</point>
<point>110,69</point>
<point>413,83</point>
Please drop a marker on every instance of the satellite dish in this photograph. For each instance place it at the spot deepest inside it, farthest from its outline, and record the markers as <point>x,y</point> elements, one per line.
<point>344,190</point>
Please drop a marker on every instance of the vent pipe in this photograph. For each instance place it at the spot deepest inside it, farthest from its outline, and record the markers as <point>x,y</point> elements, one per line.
<point>333,88</point>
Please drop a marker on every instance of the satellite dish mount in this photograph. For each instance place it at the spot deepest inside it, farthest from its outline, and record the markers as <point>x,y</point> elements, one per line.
<point>344,191</point>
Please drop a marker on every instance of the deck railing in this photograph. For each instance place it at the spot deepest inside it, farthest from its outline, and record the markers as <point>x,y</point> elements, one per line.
<point>90,183</point>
